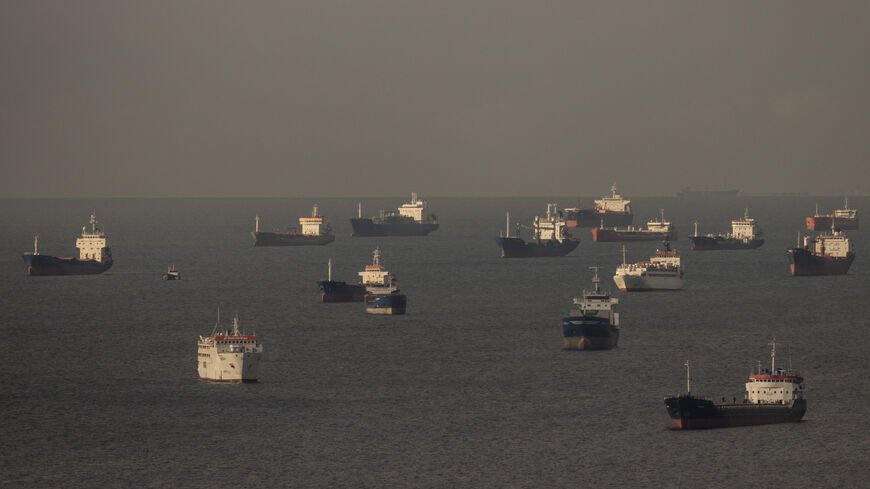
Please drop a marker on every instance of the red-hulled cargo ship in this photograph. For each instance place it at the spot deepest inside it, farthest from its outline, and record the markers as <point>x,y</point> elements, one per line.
<point>607,212</point>
<point>772,396</point>
<point>660,230</point>
<point>844,218</point>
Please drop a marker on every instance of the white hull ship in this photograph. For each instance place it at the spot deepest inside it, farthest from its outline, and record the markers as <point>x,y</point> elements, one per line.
<point>663,271</point>
<point>229,356</point>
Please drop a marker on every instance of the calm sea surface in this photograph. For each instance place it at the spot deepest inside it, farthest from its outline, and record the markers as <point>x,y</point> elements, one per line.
<point>470,389</point>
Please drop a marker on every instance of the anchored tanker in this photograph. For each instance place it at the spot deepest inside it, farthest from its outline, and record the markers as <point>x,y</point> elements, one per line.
<point>826,254</point>
<point>315,231</point>
<point>550,237</point>
<point>744,235</point>
<point>660,230</point>
<point>412,219</point>
<point>844,218</point>
<point>594,324</point>
<point>95,256</point>
<point>772,396</point>
<point>607,212</point>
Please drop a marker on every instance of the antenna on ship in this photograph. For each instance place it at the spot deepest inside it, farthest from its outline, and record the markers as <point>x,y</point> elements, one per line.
<point>663,215</point>
<point>236,325</point>
<point>746,213</point>
<point>314,211</point>
<point>772,356</point>
<point>595,279</point>
<point>218,322</point>
<point>688,380</point>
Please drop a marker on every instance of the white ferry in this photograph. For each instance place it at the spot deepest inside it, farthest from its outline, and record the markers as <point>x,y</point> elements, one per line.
<point>663,271</point>
<point>230,355</point>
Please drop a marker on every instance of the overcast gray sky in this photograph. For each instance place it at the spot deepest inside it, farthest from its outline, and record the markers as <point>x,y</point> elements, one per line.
<point>445,98</point>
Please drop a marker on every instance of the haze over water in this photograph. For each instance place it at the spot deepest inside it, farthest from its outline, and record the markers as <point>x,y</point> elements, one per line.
<point>470,389</point>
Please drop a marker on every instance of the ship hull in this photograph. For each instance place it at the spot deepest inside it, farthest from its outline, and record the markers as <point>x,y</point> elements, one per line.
<point>584,333</point>
<point>648,281</point>
<point>391,304</point>
<point>290,239</point>
<point>366,227</point>
<point>825,223</point>
<point>518,248</point>
<point>709,243</point>
<point>689,413</point>
<point>589,218</point>
<point>600,235</point>
<point>232,367</point>
<point>804,263</point>
<point>40,265</point>
<point>334,291</point>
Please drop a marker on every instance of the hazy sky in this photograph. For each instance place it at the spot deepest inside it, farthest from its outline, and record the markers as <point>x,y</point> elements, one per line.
<point>370,97</point>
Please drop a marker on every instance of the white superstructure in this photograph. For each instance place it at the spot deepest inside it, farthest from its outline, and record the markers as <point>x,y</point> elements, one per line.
<point>661,225</point>
<point>93,245</point>
<point>774,386</point>
<point>663,271</point>
<point>229,356</point>
<point>845,212</point>
<point>551,226</point>
<point>375,277</point>
<point>745,229</point>
<point>614,203</point>
<point>314,225</point>
<point>834,244</point>
<point>414,209</point>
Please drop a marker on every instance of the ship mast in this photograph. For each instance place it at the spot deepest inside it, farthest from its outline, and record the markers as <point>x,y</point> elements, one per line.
<point>329,274</point>
<point>35,241</point>
<point>359,210</point>
<point>772,356</point>
<point>508,228</point>
<point>623,255</point>
<point>595,279</point>
<point>257,224</point>
<point>688,380</point>
<point>696,228</point>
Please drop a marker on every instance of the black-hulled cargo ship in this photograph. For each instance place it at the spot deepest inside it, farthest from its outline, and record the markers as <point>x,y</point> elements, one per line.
<point>411,219</point>
<point>660,230</point>
<point>95,256</point>
<point>771,396</point>
<point>610,211</point>
<point>339,290</point>
<point>744,235</point>
<point>550,238</point>
<point>314,231</point>
<point>826,254</point>
<point>594,324</point>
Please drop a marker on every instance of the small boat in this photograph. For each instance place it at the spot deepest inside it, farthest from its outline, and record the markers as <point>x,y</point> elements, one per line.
<point>172,274</point>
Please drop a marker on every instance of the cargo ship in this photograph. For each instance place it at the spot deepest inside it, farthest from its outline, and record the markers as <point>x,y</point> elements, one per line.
<point>663,271</point>
<point>382,296</point>
<point>826,254</point>
<point>411,219</point>
<point>771,396</point>
<point>660,230</point>
<point>550,237</point>
<point>744,235</point>
<point>607,212</point>
<point>844,218</point>
<point>95,256</point>
<point>229,355</point>
<point>314,231</point>
<point>594,324</point>
<point>340,291</point>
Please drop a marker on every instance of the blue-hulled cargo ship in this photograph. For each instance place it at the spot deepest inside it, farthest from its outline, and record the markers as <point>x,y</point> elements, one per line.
<point>550,237</point>
<point>594,324</point>
<point>95,256</point>
<point>411,219</point>
<point>382,295</point>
